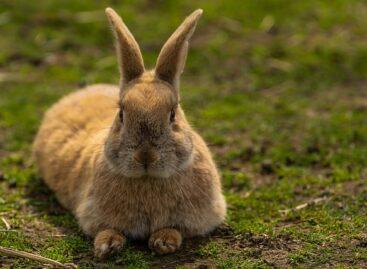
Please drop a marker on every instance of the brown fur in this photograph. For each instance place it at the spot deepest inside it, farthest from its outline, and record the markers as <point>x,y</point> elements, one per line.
<point>122,163</point>
<point>165,241</point>
<point>108,242</point>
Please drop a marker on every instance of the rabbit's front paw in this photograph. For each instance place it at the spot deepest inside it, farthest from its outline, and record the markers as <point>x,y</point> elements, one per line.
<point>165,241</point>
<point>108,242</point>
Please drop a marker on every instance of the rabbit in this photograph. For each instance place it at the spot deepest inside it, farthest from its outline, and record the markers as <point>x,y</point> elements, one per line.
<point>124,159</point>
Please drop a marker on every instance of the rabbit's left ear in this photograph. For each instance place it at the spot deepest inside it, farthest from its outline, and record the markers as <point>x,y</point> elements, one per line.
<point>171,59</point>
<point>130,59</point>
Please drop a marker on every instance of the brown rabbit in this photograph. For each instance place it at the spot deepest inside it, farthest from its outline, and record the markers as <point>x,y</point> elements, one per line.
<point>124,159</point>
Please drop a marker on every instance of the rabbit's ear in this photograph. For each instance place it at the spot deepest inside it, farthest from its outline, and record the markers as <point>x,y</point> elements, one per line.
<point>171,59</point>
<point>129,56</point>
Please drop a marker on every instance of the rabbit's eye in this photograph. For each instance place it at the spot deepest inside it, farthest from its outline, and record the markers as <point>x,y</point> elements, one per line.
<point>172,115</point>
<point>121,115</point>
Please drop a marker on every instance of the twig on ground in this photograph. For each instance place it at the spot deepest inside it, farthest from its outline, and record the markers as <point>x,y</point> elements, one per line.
<point>7,225</point>
<point>58,235</point>
<point>302,206</point>
<point>35,257</point>
<point>5,230</point>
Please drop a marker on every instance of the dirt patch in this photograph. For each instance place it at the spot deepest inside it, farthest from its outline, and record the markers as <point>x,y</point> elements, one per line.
<point>276,258</point>
<point>273,250</point>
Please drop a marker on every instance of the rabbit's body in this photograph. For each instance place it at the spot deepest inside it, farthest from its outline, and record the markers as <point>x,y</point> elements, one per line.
<point>124,159</point>
<point>69,148</point>
<point>71,138</point>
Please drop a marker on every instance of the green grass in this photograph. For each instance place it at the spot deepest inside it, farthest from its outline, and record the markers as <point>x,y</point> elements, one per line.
<point>277,88</point>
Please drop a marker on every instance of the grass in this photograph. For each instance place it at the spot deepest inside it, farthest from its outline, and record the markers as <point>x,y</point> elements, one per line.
<point>277,88</point>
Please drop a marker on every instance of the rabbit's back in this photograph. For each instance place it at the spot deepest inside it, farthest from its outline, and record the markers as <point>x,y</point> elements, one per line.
<point>71,136</point>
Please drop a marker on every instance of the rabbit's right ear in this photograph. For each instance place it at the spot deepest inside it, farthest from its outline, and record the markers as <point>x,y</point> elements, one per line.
<point>171,59</point>
<point>129,56</point>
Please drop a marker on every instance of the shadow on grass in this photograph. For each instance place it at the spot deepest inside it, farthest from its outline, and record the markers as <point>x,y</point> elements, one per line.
<point>70,242</point>
<point>44,201</point>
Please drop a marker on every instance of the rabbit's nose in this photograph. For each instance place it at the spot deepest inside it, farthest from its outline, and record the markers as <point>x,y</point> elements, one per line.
<point>145,157</point>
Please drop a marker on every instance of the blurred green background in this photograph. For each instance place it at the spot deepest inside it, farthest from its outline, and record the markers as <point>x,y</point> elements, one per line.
<point>277,88</point>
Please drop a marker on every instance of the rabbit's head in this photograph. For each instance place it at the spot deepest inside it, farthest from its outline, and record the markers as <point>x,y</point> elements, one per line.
<point>150,136</point>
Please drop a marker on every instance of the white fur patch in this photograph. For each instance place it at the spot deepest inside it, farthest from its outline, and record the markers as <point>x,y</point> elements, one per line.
<point>104,248</point>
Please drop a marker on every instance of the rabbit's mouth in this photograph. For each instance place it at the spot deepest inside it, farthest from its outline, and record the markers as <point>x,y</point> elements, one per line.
<point>157,173</point>
<point>160,168</point>
<point>148,172</point>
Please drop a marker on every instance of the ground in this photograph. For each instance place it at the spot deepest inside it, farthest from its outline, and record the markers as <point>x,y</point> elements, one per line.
<point>277,88</point>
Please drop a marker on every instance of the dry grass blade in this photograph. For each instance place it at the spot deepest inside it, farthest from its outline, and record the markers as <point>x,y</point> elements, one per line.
<point>302,206</point>
<point>7,225</point>
<point>35,257</point>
